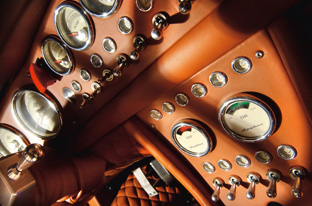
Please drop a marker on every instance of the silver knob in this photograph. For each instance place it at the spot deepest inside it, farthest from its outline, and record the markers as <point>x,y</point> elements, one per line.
<point>122,62</point>
<point>273,176</point>
<point>253,178</point>
<point>218,183</point>
<point>185,6</point>
<point>33,153</point>
<point>107,76</point>
<point>235,182</point>
<point>139,44</point>
<point>297,173</point>
<point>160,23</point>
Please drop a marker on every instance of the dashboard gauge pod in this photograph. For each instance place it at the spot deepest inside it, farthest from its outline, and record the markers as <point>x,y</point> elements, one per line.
<point>57,55</point>
<point>100,8</point>
<point>37,113</point>
<point>11,140</point>
<point>74,26</point>
<point>191,138</point>
<point>247,118</point>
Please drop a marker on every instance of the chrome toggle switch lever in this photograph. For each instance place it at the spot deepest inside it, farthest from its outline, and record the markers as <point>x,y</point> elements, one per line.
<point>122,62</point>
<point>107,76</point>
<point>235,182</point>
<point>273,176</point>
<point>33,153</point>
<point>160,23</point>
<point>139,44</point>
<point>253,178</point>
<point>218,183</point>
<point>297,173</point>
<point>185,6</point>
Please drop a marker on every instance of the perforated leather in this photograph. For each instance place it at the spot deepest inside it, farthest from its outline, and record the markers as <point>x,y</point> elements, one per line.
<point>132,194</point>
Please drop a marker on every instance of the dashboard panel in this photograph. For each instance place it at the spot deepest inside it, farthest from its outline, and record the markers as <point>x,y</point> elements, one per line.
<point>213,92</point>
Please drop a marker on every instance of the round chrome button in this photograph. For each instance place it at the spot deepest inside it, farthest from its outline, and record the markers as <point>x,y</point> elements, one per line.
<point>198,90</point>
<point>155,114</point>
<point>109,45</point>
<point>96,60</point>
<point>168,107</point>
<point>76,86</point>
<point>218,79</point>
<point>69,95</point>
<point>242,161</point>
<point>225,164</point>
<point>286,152</point>
<point>263,157</point>
<point>85,75</point>
<point>181,99</point>
<point>144,5</point>
<point>241,65</point>
<point>125,25</point>
<point>208,167</point>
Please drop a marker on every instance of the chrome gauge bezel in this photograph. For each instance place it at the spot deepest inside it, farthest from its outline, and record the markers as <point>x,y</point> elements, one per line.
<point>88,20</point>
<point>113,10</point>
<point>51,103</point>
<point>269,112</point>
<point>68,52</point>
<point>193,124</point>
<point>15,132</point>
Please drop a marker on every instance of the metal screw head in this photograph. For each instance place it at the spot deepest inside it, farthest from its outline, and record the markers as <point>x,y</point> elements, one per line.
<point>259,54</point>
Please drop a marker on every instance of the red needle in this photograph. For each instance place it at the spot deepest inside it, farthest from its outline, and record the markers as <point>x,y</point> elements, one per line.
<point>73,34</point>
<point>58,61</point>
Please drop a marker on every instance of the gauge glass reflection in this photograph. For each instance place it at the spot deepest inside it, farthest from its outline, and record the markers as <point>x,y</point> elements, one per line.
<point>11,140</point>
<point>57,55</point>
<point>100,8</point>
<point>74,26</point>
<point>247,119</point>
<point>37,113</point>
<point>191,138</point>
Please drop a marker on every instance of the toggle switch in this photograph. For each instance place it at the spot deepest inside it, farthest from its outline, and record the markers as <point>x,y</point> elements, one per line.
<point>139,44</point>
<point>273,176</point>
<point>218,183</point>
<point>298,173</point>
<point>33,153</point>
<point>160,23</point>
<point>253,178</point>
<point>185,6</point>
<point>235,182</point>
<point>122,62</point>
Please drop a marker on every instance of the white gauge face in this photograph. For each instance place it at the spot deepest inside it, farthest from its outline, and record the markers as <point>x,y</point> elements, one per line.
<point>11,141</point>
<point>191,138</point>
<point>247,119</point>
<point>101,8</point>
<point>74,26</point>
<point>57,56</point>
<point>37,113</point>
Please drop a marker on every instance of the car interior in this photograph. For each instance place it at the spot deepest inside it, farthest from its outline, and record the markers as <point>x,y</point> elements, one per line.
<point>155,102</point>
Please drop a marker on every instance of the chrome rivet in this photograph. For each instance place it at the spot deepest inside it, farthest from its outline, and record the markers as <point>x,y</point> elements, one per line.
<point>259,54</point>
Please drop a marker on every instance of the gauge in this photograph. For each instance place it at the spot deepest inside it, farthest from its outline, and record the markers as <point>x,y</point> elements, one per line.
<point>57,55</point>
<point>168,107</point>
<point>241,65</point>
<point>144,5</point>
<point>155,114</point>
<point>242,160</point>
<point>74,26</point>
<point>208,167</point>
<point>100,8</point>
<point>37,113</point>
<point>191,138</point>
<point>199,90</point>
<point>263,157</point>
<point>218,79</point>
<point>286,152</point>
<point>181,99</point>
<point>247,119</point>
<point>11,140</point>
<point>125,25</point>
<point>225,164</point>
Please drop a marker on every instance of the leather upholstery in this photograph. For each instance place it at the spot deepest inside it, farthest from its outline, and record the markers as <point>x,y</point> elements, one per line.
<point>131,193</point>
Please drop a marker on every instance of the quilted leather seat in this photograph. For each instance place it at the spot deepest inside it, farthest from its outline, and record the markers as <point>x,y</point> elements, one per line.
<point>131,193</point>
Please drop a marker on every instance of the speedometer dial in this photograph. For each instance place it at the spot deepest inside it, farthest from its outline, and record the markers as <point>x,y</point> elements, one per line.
<point>37,113</point>
<point>101,8</point>
<point>247,119</point>
<point>57,55</point>
<point>74,25</point>
<point>11,140</point>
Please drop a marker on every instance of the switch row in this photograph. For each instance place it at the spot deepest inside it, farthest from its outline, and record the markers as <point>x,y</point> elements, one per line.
<point>297,173</point>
